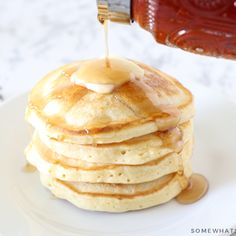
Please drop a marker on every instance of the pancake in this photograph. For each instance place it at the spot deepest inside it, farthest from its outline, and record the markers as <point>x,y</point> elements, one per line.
<point>117,197</point>
<point>120,151</point>
<point>135,151</point>
<point>64,168</point>
<point>71,113</point>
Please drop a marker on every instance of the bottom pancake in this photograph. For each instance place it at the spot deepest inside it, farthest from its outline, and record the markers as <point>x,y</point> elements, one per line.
<point>117,197</point>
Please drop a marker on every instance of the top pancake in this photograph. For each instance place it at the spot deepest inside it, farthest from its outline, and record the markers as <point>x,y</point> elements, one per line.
<point>72,113</point>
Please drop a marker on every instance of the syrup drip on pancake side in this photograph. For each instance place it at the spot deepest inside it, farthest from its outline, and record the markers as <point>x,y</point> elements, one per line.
<point>28,168</point>
<point>172,138</point>
<point>196,189</point>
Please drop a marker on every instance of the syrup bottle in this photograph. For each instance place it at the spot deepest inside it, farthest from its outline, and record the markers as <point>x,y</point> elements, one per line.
<point>205,27</point>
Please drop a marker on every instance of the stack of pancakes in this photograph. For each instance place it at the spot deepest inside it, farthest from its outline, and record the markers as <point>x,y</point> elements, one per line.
<point>125,150</point>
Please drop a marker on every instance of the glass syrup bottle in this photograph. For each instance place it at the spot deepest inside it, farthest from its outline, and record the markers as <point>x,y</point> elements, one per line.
<point>205,27</point>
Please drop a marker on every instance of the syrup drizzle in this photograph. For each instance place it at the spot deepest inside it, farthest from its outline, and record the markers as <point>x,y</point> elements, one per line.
<point>105,24</point>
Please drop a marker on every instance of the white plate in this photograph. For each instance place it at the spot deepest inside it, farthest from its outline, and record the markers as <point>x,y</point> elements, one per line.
<point>26,208</point>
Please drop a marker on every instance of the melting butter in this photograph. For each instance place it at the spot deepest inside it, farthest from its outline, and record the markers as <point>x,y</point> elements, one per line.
<point>103,77</point>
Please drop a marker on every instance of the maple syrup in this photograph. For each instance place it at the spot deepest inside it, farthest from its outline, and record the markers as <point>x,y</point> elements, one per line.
<point>104,75</point>
<point>96,75</point>
<point>28,168</point>
<point>106,43</point>
<point>196,189</point>
<point>172,138</point>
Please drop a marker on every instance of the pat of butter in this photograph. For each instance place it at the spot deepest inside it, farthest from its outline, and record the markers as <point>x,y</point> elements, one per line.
<point>104,76</point>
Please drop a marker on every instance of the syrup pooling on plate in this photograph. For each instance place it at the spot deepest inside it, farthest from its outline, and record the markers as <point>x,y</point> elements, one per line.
<point>28,168</point>
<point>104,75</point>
<point>196,189</point>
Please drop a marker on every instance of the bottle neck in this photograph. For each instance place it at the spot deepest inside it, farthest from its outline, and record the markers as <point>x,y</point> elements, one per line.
<point>114,10</point>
